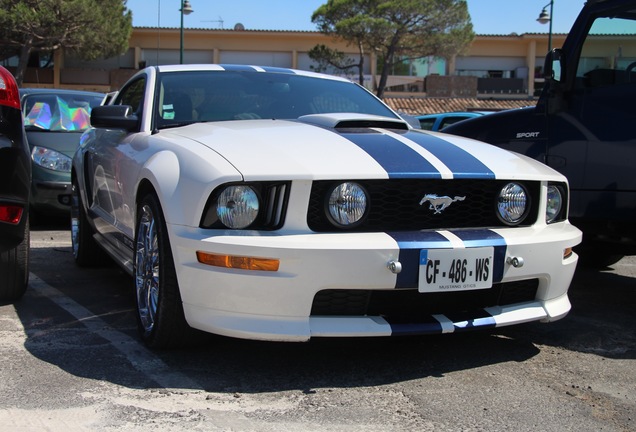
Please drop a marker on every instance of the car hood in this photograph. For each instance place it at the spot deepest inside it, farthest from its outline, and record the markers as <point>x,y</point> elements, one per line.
<point>63,142</point>
<point>336,146</point>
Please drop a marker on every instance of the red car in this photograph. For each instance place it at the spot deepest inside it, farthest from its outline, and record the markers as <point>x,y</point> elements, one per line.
<point>15,181</point>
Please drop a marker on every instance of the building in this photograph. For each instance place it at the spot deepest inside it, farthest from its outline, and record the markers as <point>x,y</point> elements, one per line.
<point>495,68</point>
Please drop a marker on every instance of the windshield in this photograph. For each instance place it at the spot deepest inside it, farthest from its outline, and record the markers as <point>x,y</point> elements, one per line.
<point>59,112</point>
<point>187,97</point>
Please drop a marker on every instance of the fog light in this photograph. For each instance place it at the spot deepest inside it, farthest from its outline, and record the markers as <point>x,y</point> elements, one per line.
<point>347,205</point>
<point>64,199</point>
<point>238,262</point>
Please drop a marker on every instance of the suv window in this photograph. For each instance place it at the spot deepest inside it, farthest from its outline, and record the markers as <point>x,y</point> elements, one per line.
<point>608,55</point>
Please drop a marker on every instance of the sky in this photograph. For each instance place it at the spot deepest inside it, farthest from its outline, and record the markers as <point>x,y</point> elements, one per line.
<point>488,16</point>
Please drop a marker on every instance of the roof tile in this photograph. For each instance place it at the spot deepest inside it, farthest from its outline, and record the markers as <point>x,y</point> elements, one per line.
<point>426,105</point>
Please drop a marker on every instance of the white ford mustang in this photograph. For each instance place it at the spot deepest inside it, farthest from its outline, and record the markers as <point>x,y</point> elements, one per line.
<point>276,204</point>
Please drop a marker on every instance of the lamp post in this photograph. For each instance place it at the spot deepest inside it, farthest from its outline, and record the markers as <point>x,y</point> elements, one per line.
<point>545,18</point>
<point>186,9</point>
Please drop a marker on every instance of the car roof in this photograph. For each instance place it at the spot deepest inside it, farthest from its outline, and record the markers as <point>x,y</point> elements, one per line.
<point>245,68</point>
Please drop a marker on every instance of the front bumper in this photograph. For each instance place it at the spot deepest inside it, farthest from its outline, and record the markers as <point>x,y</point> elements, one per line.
<point>278,305</point>
<point>50,192</point>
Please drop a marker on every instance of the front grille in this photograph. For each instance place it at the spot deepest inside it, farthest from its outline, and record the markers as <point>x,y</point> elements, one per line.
<point>409,304</point>
<point>395,204</point>
<point>275,205</point>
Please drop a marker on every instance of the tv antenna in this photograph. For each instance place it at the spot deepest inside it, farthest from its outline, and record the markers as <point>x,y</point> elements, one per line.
<point>219,21</point>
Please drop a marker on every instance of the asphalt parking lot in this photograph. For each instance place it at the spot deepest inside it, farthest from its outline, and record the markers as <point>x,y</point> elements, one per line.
<point>70,360</point>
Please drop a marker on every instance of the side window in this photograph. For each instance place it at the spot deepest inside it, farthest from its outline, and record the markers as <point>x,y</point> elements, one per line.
<point>447,121</point>
<point>427,123</point>
<point>608,55</point>
<point>133,95</point>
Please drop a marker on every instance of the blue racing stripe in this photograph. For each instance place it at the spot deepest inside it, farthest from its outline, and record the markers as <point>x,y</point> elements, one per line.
<point>471,320</point>
<point>412,242</point>
<point>250,68</point>
<point>483,238</point>
<point>238,68</point>
<point>397,159</point>
<point>460,162</point>
<point>428,325</point>
<point>278,70</point>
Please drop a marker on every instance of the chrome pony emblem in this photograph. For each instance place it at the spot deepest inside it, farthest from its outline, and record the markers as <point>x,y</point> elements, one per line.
<point>439,203</point>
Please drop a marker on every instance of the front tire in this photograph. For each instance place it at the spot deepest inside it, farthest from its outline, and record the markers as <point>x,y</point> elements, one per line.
<point>14,269</point>
<point>160,318</point>
<point>86,251</point>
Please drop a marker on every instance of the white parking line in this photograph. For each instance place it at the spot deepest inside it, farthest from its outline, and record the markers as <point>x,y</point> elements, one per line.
<point>139,356</point>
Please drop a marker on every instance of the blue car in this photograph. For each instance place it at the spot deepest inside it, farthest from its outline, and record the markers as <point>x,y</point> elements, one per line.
<point>437,122</point>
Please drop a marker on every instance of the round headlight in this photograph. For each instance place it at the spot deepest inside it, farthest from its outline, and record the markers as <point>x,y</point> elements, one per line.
<point>347,205</point>
<point>554,204</point>
<point>237,206</point>
<point>512,204</point>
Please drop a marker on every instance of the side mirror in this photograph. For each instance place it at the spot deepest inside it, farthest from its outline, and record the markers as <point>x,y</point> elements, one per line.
<point>114,117</point>
<point>555,66</point>
<point>555,78</point>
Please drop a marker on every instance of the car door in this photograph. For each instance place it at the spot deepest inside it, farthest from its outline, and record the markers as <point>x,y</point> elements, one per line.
<point>111,165</point>
<point>592,139</point>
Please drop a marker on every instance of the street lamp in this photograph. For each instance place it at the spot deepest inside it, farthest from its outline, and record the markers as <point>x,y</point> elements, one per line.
<point>186,9</point>
<point>545,18</point>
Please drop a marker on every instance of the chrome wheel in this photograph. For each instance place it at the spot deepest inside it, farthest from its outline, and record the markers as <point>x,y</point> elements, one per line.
<point>147,255</point>
<point>86,251</point>
<point>160,317</point>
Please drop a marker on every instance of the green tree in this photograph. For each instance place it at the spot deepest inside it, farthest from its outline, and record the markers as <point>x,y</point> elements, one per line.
<point>90,29</point>
<point>327,58</point>
<point>397,30</point>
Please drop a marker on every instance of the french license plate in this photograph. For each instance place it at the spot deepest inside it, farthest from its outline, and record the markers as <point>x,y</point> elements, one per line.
<point>455,269</point>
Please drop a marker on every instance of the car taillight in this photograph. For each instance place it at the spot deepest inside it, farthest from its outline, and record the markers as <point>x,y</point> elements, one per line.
<point>10,214</point>
<point>9,95</point>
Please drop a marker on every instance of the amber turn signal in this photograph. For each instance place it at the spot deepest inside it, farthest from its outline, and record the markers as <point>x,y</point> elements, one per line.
<point>238,262</point>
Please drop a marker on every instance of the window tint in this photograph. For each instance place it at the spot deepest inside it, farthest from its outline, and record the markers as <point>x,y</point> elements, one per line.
<point>238,95</point>
<point>427,123</point>
<point>133,95</point>
<point>447,121</point>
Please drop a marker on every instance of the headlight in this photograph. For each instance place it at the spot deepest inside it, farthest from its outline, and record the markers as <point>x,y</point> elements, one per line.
<point>50,159</point>
<point>554,204</point>
<point>237,206</point>
<point>347,205</point>
<point>512,204</point>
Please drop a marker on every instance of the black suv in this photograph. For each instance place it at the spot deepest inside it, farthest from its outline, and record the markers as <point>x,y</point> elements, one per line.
<point>583,126</point>
<point>15,181</point>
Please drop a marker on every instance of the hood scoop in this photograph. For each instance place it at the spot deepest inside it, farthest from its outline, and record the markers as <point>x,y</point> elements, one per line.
<point>353,121</point>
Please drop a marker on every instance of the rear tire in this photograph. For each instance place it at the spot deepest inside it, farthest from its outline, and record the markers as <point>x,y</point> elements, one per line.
<point>86,251</point>
<point>14,268</point>
<point>160,318</point>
